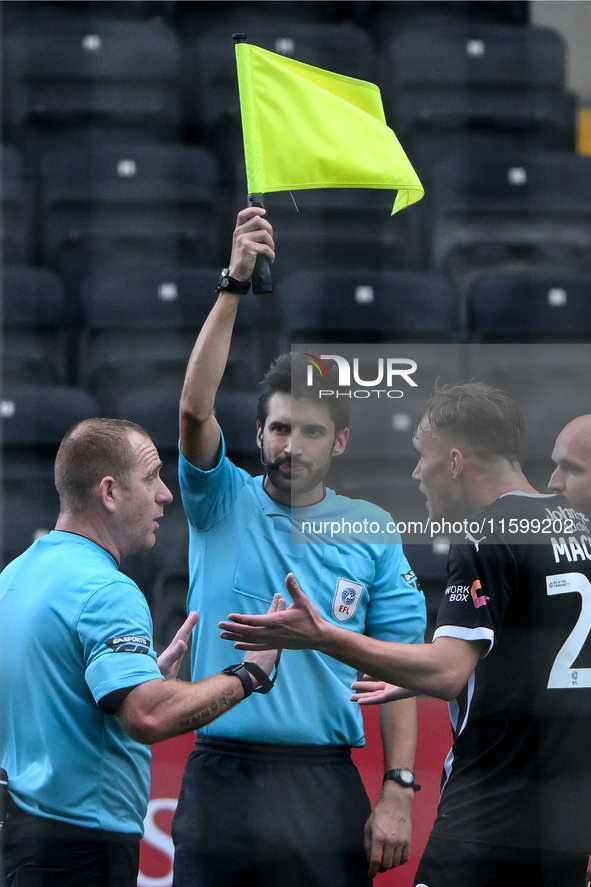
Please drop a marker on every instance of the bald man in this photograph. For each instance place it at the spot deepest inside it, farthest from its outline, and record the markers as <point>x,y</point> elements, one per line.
<point>572,456</point>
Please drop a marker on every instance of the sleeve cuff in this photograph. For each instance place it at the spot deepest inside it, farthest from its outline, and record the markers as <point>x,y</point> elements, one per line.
<point>466,634</point>
<point>113,671</point>
<point>189,468</point>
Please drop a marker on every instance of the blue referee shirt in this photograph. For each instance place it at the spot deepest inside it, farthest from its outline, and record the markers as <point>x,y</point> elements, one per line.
<point>240,552</point>
<point>72,629</point>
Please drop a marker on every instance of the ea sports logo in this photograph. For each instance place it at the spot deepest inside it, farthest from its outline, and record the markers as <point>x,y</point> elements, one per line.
<point>348,595</point>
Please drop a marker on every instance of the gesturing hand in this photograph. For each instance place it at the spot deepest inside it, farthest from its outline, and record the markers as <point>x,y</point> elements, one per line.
<point>267,659</point>
<point>372,692</point>
<point>299,627</point>
<point>170,659</point>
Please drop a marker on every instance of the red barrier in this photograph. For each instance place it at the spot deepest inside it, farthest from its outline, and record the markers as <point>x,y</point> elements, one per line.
<point>434,743</point>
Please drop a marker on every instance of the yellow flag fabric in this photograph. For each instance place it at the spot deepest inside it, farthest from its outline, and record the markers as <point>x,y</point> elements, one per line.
<point>309,128</point>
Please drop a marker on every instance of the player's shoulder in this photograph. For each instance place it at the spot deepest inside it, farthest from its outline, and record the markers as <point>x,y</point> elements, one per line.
<point>516,504</point>
<point>359,508</point>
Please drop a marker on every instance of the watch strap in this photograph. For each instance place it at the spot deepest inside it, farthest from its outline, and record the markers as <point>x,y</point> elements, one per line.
<point>241,287</point>
<point>394,776</point>
<point>267,682</point>
<point>243,671</point>
<point>244,676</point>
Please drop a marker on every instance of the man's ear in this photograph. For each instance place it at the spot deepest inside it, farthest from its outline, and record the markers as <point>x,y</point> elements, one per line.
<point>457,463</point>
<point>340,442</point>
<point>107,491</point>
<point>259,435</point>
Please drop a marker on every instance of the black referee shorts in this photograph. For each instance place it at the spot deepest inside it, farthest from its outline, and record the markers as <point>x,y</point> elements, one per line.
<point>41,852</point>
<point>469,864</point>
<point>262,815</point>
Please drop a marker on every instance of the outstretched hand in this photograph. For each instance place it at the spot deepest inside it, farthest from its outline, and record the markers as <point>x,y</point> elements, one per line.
<point>170,659</point>
<point>267,659</point>
<point>372,692</point>
<point>299,627</point>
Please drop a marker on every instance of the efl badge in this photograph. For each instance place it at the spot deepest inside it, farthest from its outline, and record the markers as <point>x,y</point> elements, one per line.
<point>346,599</point>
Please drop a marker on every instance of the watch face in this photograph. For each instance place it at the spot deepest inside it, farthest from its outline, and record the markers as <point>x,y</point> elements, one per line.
<point>407,776</point>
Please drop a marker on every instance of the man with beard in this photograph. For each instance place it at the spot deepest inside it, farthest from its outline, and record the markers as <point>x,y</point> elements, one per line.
<point>510,652</point>
<point>273,799</point>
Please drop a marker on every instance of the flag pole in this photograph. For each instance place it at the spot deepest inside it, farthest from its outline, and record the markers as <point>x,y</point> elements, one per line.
<point>262,279</point>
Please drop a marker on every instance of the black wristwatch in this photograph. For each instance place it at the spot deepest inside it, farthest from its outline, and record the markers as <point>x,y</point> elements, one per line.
<point>245,678</point>
<point>243,671</point>
<point>403,776</point>
<point>241,287</point>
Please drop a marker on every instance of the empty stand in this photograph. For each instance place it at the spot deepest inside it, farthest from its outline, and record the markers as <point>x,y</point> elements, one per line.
<point>480,74</point>
<point>16,199</point>
<point>157,410</point>
<point>512,211</point>
<point>530,306</point>
<point>550,382</point>
<point>340,228</point>
<point>73,69</point>
<point>143,206</point>
<point>34,346</point>
<point>33,422</point>
<point>140,327</point>
<point>366,304</point>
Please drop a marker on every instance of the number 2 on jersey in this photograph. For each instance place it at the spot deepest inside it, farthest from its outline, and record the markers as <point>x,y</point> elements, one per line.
<point>563,675</point>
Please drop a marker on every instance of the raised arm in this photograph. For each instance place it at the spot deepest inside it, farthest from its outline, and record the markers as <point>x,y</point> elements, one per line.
<point>199,431</point>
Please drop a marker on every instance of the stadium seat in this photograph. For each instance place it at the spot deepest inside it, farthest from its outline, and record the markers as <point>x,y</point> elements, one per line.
<point>148,205</point>
<point>479,74</point>
<point>339,228</point>
<point>33,421</point>
<point>512,211</point>
<point>140,327</point>
<point>157,410</point>
<point>77,68</point>
<point>34,347</point>
<point>16,201</point>
<point>530,306</point>
<point>366,305</point>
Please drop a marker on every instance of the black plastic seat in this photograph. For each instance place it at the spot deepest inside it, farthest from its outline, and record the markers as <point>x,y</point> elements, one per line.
<point>366,305</point>
<point>513,211</point>
<point>74,69</point>
<point>34,419</point>
<point>139,327</point>
<point>530,306</point>
<point>143,205</point>
<point>479,74</point>
<point>34,347</point>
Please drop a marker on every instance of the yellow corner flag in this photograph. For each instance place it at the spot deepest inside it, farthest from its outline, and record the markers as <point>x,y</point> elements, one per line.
<point>309,128</point>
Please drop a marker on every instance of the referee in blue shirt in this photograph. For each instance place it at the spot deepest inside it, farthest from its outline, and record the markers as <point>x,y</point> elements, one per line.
<point>82,692</point>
